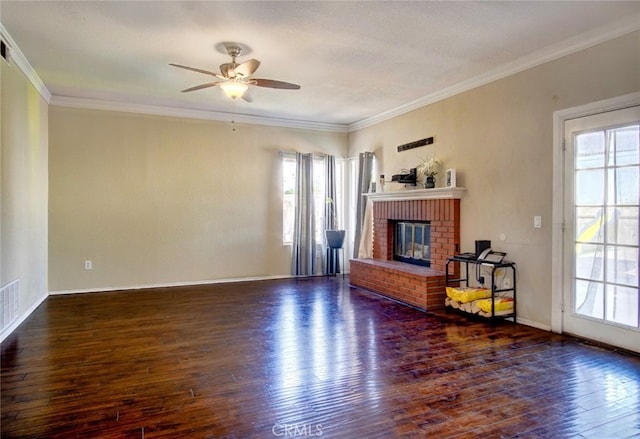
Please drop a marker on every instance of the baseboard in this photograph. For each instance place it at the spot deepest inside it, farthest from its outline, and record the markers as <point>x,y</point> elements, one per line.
<point>168,285</point>
<point>9,329</point>
<point>533,324</point>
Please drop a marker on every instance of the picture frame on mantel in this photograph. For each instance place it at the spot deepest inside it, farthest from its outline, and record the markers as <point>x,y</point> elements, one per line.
<point>450,178</point>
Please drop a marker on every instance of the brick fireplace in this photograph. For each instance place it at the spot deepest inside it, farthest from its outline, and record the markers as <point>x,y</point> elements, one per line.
<point>422,287</point>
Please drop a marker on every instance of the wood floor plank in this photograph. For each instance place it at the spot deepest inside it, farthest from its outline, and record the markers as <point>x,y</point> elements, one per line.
<point>300,358</point>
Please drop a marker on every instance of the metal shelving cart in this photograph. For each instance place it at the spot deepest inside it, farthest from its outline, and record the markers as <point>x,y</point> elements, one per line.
<point>455,277</point>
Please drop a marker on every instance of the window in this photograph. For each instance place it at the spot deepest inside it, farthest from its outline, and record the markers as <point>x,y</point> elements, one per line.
<point>289,199</point>
<point>607,170</point>
<point>352,173</point>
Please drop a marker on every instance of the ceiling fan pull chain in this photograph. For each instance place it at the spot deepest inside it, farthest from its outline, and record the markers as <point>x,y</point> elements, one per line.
<point>233,116</point>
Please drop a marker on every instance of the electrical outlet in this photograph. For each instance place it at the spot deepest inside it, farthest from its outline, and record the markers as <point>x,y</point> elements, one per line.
<point>88,265</point>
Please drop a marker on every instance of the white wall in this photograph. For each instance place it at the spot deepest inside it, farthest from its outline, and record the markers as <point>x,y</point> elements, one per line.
<point>499,138</point>
<point>23,189</point>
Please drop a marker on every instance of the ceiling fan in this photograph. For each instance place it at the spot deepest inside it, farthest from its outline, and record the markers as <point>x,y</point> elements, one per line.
<point>234,79</point>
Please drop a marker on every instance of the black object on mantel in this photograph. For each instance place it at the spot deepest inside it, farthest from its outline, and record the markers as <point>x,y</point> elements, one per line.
<point>410,178</point>
<point>416,144</point>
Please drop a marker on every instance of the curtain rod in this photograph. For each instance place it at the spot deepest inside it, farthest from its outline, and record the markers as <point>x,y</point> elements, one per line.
<point>315,154</point>
<point>321,154</point>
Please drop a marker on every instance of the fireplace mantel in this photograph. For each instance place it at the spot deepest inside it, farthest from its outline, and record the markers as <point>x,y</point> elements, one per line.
<point>418,194</point>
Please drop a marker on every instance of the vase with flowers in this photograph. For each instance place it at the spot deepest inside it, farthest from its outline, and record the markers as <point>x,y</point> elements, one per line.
<point>428,169</point>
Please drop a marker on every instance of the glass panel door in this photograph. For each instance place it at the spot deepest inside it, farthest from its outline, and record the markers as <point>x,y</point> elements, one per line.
<point>602,227</point>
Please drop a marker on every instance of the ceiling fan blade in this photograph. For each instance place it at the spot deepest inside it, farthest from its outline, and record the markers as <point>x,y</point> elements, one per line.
<point>206,72</point>
<point>201,86</point>
<point>275,84</point>
<point>247,68</point>
<point>227,70</point>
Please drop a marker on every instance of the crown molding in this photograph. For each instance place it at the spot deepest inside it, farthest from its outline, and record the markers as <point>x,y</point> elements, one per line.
<point>16,56</point>
<point>158,110</point>
<point>550,53</point>
<point>573,45</point>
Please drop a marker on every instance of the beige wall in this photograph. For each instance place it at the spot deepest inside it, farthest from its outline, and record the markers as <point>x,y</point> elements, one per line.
<point>499,139</point>
<point>23,189</point>
<point>157,200</point>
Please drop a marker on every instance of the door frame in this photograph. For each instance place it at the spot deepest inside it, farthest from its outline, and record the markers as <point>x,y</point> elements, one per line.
<point>559,196</point>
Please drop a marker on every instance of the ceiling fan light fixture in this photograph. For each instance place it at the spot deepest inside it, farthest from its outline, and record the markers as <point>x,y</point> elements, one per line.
<point>234,79</point>
<point>234,89</point>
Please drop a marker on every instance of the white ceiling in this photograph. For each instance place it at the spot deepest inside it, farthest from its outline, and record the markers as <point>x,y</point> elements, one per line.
<point>355,61</point>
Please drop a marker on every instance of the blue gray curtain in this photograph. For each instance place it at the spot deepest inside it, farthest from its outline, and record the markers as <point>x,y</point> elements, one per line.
<point>303,258</point>
<point>331,261</point>
<point>365,168</point>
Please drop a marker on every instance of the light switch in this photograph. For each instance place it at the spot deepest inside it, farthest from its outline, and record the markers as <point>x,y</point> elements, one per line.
<point>537,222</point>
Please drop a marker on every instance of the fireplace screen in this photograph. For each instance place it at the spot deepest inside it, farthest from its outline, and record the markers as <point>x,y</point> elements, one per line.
<point>412,242</point>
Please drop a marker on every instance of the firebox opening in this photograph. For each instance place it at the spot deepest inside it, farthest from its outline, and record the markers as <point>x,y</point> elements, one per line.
<point>412,242</point>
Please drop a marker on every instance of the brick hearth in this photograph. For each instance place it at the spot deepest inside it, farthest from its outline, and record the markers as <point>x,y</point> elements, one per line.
<point>421,287</point>
<point>417,286</point>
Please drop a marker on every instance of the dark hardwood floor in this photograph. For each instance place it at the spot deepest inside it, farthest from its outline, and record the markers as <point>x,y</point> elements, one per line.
<point>300,358</point>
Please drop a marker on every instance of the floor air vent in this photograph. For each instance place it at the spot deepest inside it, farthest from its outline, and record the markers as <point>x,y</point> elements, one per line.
<point>9,302</point>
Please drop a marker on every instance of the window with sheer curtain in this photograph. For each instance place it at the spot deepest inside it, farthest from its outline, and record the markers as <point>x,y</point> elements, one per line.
<point>606,208</point>
<point>319,196</point>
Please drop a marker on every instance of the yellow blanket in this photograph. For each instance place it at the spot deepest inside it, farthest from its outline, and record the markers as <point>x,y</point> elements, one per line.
<point>467,294</point>
<point>500,304</point>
